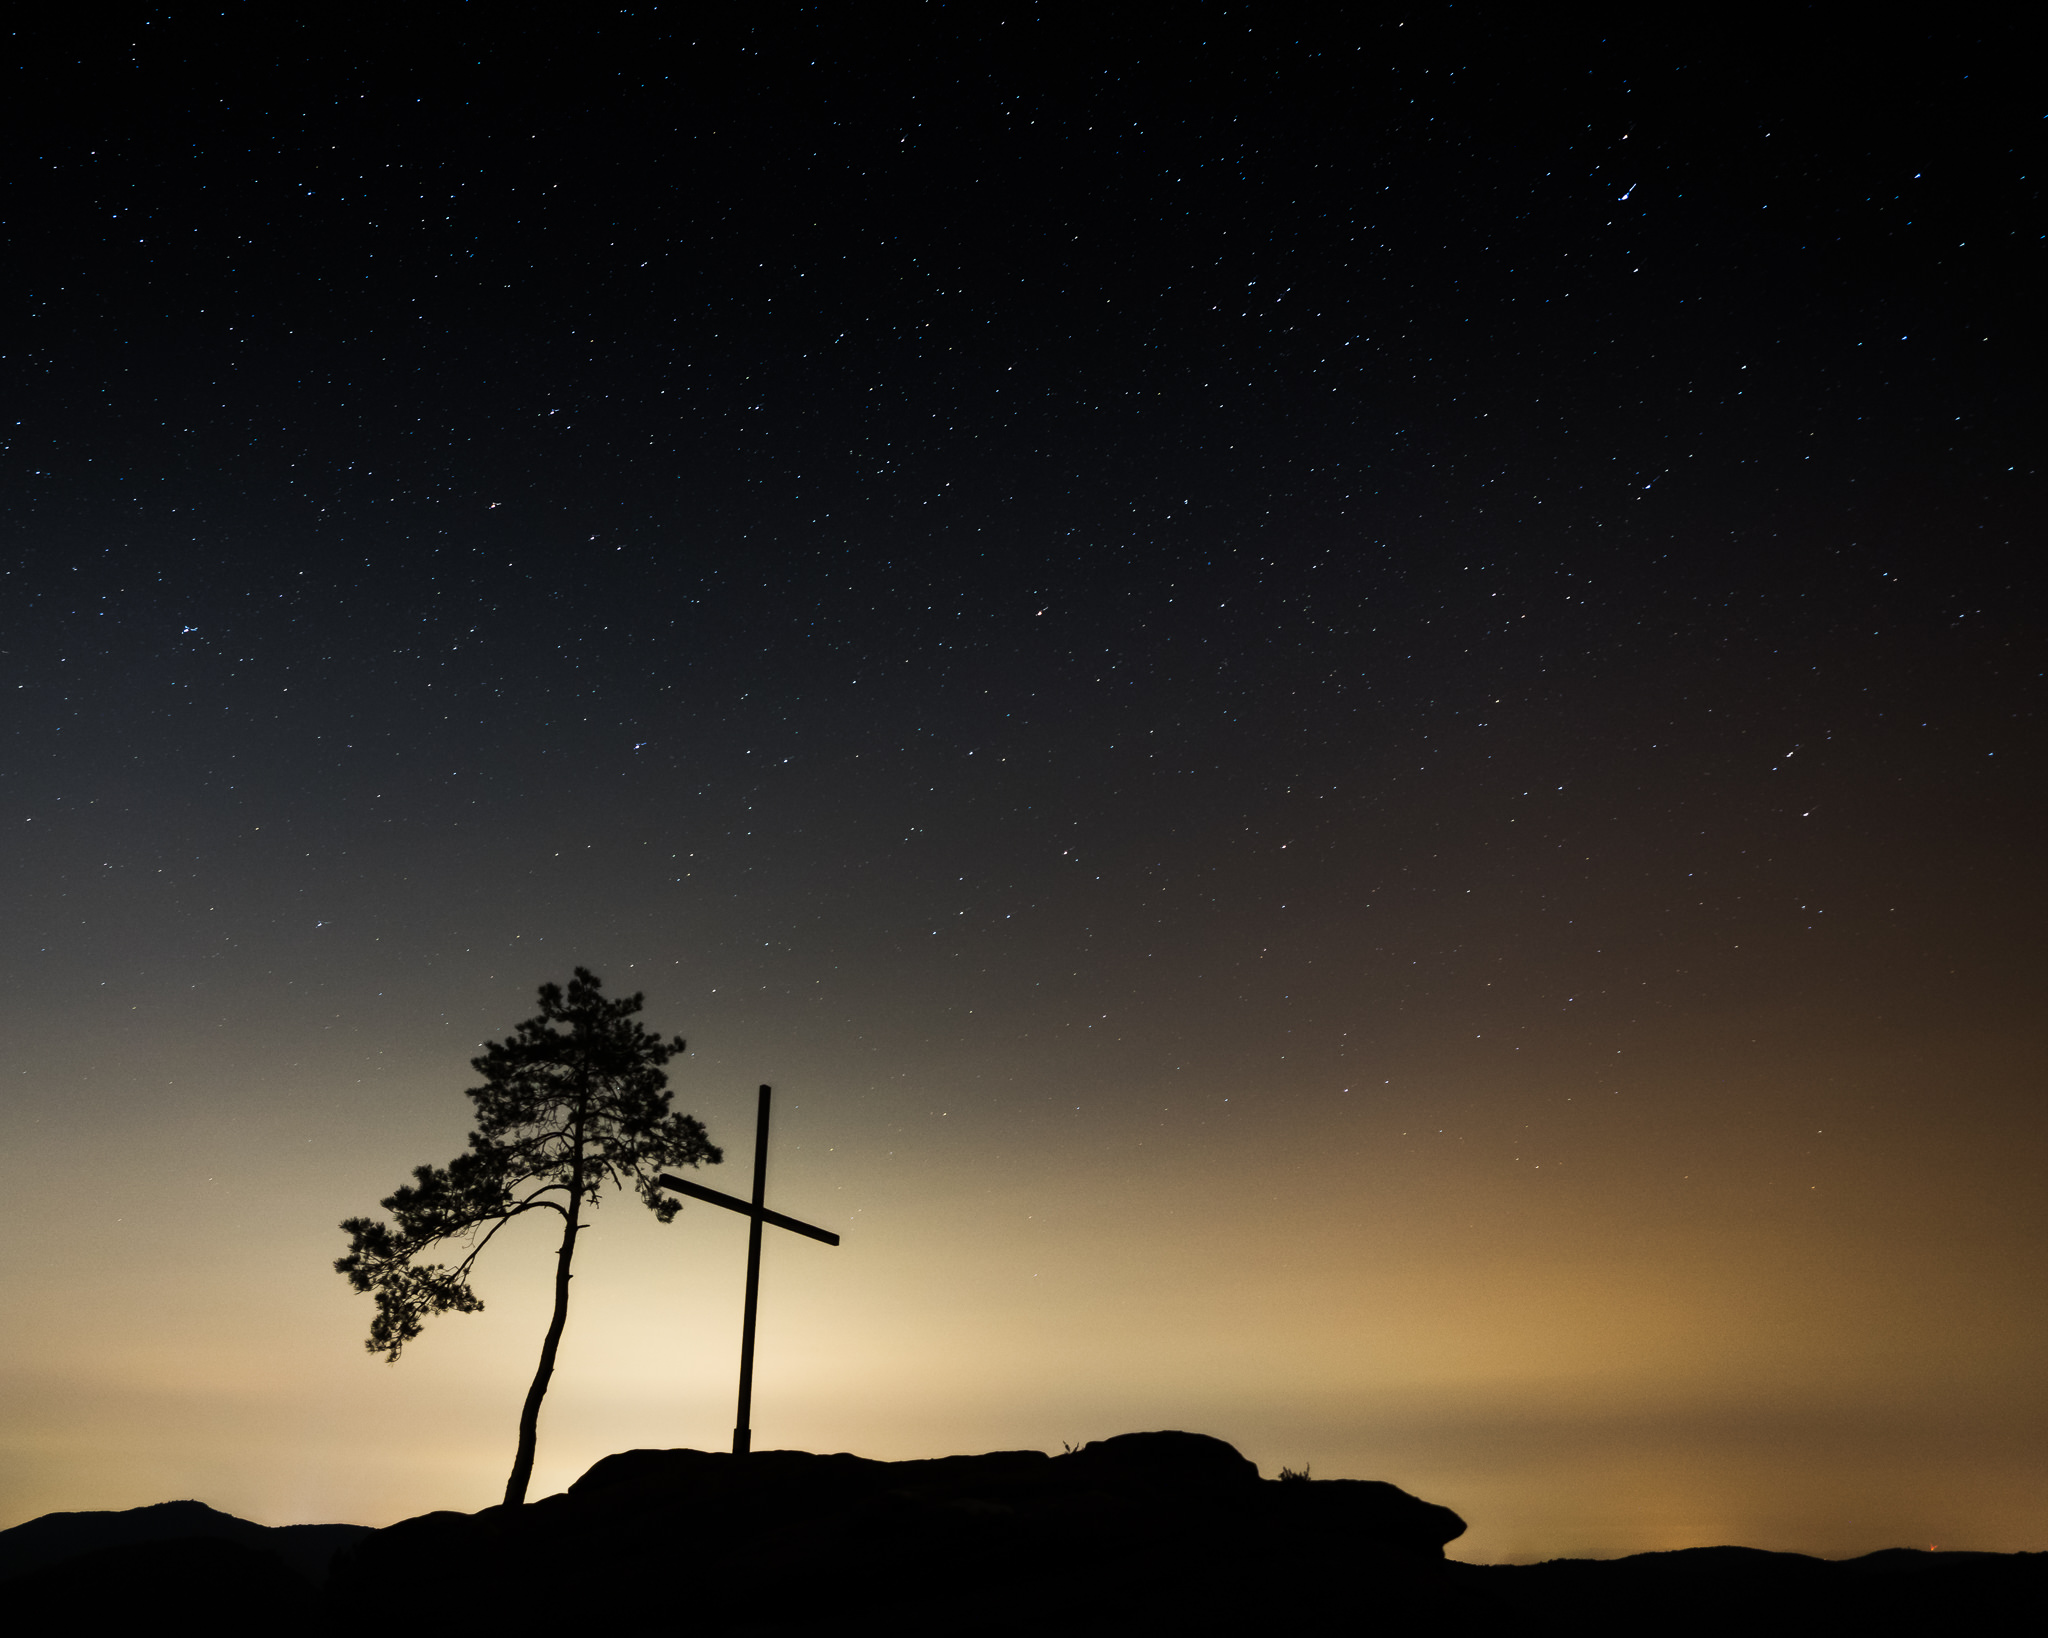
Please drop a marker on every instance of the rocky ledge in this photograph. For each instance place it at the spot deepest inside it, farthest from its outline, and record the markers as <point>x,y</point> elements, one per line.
<point>1147,1532</point>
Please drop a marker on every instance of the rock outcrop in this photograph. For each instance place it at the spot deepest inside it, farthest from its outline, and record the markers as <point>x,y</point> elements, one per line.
<point>1146,1532</point>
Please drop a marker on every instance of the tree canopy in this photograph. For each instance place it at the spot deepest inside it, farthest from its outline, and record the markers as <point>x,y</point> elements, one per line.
<point>574,1100</point>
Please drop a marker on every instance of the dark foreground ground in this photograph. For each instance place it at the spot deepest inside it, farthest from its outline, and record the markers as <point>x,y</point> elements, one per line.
<point>1147,1533</point>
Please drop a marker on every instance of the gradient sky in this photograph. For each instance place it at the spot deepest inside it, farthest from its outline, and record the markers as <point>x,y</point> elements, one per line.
<point>1353,718</point>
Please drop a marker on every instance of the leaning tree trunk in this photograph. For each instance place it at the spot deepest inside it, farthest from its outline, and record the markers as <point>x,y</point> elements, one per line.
<point>529,1415</point>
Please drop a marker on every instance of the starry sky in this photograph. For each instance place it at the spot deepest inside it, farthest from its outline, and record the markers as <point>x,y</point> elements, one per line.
<point>1350,711</point>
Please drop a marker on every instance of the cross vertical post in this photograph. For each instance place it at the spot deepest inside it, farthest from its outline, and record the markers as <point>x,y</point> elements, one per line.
<point>743,1431</point>
<point>756,1212</point>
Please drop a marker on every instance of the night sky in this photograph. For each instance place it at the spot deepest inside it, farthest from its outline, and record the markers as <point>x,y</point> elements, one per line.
<point>1350,710</point>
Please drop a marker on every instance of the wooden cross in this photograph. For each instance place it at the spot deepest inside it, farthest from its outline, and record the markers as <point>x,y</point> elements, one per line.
<point>757,1213</point>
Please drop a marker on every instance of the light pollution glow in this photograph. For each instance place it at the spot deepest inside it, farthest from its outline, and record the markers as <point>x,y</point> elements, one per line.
<point>1662,1331</point>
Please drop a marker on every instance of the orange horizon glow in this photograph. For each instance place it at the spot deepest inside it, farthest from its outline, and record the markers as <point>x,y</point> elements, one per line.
<point>1632,1335</point>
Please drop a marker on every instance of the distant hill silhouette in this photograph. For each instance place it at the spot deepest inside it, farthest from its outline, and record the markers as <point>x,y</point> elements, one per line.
<point>306,1548</point>
<point>1747,1591</point>
<point>170,1565</point>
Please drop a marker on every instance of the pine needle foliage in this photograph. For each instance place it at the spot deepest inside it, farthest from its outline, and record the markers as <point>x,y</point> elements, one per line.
<point>574,1100</point>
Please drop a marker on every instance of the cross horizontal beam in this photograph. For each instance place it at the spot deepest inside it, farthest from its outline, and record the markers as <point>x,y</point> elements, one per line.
<point>745,1208</point>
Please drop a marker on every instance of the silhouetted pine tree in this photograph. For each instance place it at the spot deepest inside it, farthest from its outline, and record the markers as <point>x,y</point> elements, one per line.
<point>574,1099</point>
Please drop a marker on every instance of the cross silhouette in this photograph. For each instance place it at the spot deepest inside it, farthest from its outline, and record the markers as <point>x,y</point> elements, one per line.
<point>757,1213</point>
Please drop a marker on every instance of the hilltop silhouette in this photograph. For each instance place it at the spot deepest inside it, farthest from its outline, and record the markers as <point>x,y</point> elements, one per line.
<point>1146,1533</point>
